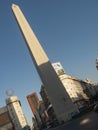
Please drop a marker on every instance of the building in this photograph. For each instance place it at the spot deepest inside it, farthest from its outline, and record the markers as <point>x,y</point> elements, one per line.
<point>75,90</point>
<point>38,109</point>
<point>91,89</point>
<point>74,87</point>
<point>43,114</point>
<point>16,113</point>
<point>60,101</point>
<point>80,91</point>
<point>34,103</point>
<point>47,103</point>
<point>5,120</point>
<point>35,125</point>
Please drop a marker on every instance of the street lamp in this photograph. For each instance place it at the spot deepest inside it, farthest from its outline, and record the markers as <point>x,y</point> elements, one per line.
<point>97,63</point>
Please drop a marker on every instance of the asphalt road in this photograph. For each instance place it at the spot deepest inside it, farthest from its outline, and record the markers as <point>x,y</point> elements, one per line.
<point>89,121</point>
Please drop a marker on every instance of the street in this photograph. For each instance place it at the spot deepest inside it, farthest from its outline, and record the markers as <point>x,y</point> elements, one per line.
<point>89,121</point>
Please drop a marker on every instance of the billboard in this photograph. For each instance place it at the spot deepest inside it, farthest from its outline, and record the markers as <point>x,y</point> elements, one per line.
<point>58,68</point>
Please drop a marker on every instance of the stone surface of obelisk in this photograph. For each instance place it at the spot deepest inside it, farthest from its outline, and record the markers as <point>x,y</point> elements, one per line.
<point>58,96</point>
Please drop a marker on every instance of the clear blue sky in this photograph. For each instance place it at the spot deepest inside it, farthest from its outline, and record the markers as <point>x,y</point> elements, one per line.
<point>67,30</point>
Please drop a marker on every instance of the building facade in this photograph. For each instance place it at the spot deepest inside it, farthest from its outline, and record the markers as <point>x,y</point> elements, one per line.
<point>43,114</point>
<point>5,119</point>
<point>80,91</point>
<point>48,106</point>
<point>16,113</point>
<point>34,103</point>
<point>75,90</point>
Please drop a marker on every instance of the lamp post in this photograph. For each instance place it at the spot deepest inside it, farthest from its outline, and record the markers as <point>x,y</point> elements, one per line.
<point>97,63</point>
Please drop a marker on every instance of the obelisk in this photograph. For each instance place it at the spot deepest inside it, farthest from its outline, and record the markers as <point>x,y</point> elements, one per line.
<point>57,94</point>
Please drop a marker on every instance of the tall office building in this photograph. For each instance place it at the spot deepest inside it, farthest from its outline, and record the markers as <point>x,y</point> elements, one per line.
<point>60,100</point>
<point>16,113</point>
<point>34,103</point>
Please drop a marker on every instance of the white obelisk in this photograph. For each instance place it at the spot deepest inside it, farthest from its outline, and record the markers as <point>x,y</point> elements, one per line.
<point>58,96</point>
